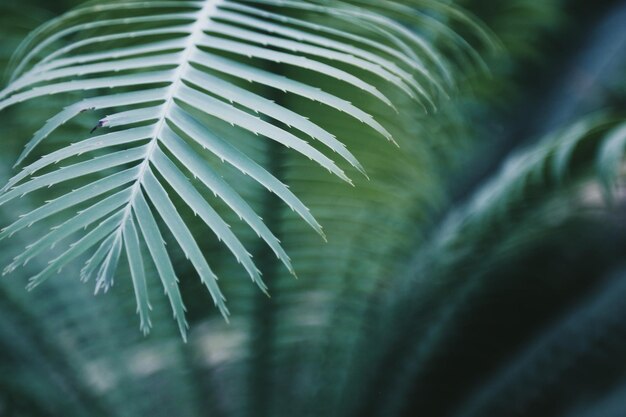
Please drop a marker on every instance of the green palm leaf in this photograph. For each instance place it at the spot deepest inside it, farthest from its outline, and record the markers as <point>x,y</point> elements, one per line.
<point>169,73</point>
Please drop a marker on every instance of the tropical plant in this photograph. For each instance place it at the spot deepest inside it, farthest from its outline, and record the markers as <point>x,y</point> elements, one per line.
<point>201,51</point>
<point>460,275</point>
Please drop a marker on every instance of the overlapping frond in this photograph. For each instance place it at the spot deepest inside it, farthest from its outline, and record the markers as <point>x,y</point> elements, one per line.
<point>594,145</point>
<point>535,192</point>
<point>169,72</point>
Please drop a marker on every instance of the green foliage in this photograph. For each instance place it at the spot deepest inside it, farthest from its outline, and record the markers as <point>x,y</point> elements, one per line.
<point>460,275</point>
<point>202,52</point>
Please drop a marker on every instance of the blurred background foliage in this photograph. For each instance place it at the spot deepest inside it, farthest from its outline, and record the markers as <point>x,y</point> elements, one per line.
<point>479,273</point>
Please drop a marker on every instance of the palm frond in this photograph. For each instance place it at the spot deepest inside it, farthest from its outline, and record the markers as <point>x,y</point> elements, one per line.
<point>536,187</point>
<point>178,72</point>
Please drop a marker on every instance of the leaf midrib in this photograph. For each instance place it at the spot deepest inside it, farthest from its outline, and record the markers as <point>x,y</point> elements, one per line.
<point>202,22</point>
